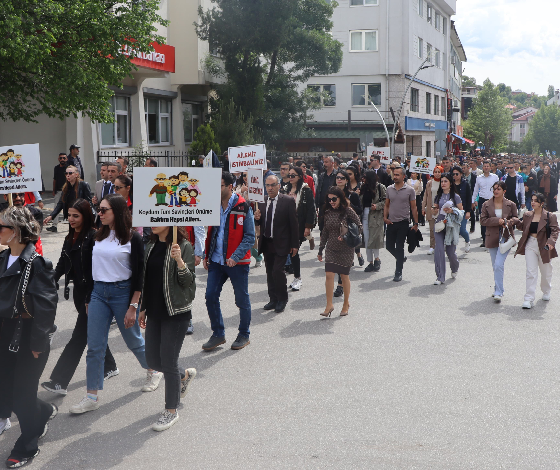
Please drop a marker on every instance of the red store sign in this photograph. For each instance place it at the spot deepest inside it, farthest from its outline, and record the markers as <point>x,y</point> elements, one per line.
<point>161,58</point>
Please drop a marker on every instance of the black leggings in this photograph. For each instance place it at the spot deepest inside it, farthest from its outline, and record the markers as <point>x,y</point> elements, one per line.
<point>296,265</point>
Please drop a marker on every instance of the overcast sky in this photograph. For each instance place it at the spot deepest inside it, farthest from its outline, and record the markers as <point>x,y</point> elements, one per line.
<point>511,41</point>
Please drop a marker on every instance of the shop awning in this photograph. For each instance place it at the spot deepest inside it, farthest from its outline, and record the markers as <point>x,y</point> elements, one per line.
<point>458,137</point>
<point>339,133</point>
<point>469,141</point>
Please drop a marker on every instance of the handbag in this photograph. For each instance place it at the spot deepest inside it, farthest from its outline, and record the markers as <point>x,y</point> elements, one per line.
<point>439,226</point>
<point>521,212</point>
<point>509,243</point>
<point>350,233</point>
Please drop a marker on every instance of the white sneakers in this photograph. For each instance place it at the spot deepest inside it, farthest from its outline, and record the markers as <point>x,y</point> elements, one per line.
<point>467,247</point>
<point>437,282</point>
<point>546,297</point>
<point>258,264</point>
<point>454,275</point>
<point>152,381</point>
<point>296,284</point>
<point>431,251</point>
<point>527,304</point>
<point>165,421</point>
<point>5,424</point>
<point>87,404</point>
<point>497,298</point>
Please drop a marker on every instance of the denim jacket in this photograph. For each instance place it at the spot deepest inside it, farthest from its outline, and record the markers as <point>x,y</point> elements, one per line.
<point>453,226</point>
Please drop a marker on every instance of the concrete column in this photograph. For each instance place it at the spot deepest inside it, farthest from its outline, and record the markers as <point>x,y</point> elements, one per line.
<point>138,131</point>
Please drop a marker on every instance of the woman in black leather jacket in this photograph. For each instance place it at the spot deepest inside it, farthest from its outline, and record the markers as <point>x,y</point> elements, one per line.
<point>27,310</point>
<point>75,265</point>
<point>73,189</point>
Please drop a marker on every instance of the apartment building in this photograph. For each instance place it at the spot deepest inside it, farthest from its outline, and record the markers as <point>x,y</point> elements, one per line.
<point>385,42</point>
<point>159,108</point>
<point>520,122</point>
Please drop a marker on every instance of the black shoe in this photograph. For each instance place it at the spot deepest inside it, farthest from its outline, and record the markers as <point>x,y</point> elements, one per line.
<point>190,329</point>
<point>361,260</point>
<point>52,228</point>
<point>290,269</point>
<point>270,305</point>
<point>240,342</point>
<point>376,265</point>
<point>54,329</point>
<point>338,291</point>
<point>111,373</point>
<point>369,268</point>
<point>16,462</point>
<point>405,259</point>
<point>482,245</point>
<point>471,231</point>
<point>213,342</point>
<point>280,306</point>
<point>398,277</point>
<point>53,387</point>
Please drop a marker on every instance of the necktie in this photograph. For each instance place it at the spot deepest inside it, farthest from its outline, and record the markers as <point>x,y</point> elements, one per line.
<point>268,228</point>
<point>106,188</point>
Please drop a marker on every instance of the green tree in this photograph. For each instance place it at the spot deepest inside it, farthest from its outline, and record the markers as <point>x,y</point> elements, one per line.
<point>544,130</point>
<point>204,141</point>
<point>469,81</point>
<point>489,120</point>
<point>269,48</point>
<point>505,91</point>
<point>232,128</point>
<point>551,91</point>
<point>58,56</point>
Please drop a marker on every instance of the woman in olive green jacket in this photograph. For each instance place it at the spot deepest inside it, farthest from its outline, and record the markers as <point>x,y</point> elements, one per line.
<point>167,296</point>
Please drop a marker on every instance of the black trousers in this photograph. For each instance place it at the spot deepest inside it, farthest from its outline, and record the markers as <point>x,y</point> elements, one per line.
<point>164,340</point>
<point>482,227</point>
<point>74,350</point>
<point>296,263</point>
<point>20,374</point>
<point>395,240</point>
<point>275,275</point>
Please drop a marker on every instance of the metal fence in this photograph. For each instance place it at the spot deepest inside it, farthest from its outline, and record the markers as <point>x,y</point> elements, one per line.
<point>135,159</point>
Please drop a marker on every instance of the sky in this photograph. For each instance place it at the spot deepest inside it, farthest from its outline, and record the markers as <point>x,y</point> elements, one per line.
<point>510,41</point>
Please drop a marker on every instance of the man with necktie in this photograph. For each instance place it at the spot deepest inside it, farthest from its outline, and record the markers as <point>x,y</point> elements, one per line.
<point>279,237</point>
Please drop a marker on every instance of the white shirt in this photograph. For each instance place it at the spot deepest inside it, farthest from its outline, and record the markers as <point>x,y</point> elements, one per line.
<point>12,260</point>
<point>483,186</point>
<point>111,260</point>
<point>498,213</point>
<point>268,202</point>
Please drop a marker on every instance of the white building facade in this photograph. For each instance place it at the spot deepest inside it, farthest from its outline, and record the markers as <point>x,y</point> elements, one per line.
<point>384,44</point>
<point>157,110</point>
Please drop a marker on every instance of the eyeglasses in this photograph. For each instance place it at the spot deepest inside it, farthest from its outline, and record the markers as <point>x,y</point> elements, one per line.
<point>20,195</point>
<point>102,210</point>
<point>118,188</point>
<point>340,178</point>
<point>332,199</point>
<point>291,175</point>
<point>271,185</point>
<point>6,226</point>
<point>62,158</point>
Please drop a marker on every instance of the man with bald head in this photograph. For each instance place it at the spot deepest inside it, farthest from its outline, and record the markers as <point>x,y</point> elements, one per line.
<point>278,238</point>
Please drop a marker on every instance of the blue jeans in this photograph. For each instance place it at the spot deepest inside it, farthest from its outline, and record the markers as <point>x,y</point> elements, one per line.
<point>239,276</point>
<point>498,262</point>
<point>463,232</point>
<point>108,300</point>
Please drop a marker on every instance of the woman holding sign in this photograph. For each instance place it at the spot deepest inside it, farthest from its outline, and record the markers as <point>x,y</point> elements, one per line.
<point>169,289</point>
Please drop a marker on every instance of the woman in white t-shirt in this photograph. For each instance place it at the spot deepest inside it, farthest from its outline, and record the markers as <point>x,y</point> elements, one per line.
<point>118,270</point>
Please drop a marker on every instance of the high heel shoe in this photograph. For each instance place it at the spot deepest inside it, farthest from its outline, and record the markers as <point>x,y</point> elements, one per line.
<point>343,314</point>
<point>327,314</point>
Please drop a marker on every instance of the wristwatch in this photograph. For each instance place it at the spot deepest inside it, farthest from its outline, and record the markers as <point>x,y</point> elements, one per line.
<point>134,305</point>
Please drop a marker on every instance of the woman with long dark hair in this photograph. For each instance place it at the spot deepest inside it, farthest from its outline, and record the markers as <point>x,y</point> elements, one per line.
<point>372,195</point>
<point>123,186</point>
<point>28,301</point>
<point>75,265</point>
<point>548,185</point>
<point>168,293</point>
<point>444,203</point>
<point>338,255</point>
<point>117,271</point>
<point>353,172</point>
<point>73,189</point>
<point>305,207</point>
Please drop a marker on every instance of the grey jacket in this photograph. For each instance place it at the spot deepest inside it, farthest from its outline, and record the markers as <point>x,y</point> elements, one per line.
<point>179,284</point>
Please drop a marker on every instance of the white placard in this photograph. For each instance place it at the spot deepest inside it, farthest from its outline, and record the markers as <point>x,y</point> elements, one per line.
<point>249,156</point>
<point>207,162</point>
<point>419,164</point>
<point>383,152</point>
<point>20,169</point>
<point>176,196</point>
<point>256,185</point>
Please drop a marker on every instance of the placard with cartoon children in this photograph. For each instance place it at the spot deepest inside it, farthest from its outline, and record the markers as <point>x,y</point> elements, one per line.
<point>20,168</point>
<point>174,196</point>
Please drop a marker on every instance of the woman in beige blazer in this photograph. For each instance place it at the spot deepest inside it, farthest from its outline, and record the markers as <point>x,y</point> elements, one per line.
<point>432,187</point>
<point>495,214</point>
<point>538,241</point>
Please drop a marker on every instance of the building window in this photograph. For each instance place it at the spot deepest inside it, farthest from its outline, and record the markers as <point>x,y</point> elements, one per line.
<point>428,103</point>
<point>420,48</point>
<point>428,149</point>
<point>192,117</point>
<point>444,25</point>
<point>443,105</point>
<point>117,133</point>
<point>363,2</point>
<point>421,8</point>
<point>324,95</point>
<point>436,105</point>
<point>365,94</point>
<point>437,22</point>
<point>429,14</point>
<point>158,120</point>
<point>364,40</point>
<point>414,100</point>
<point>437,59</point>
<point>429,52</point>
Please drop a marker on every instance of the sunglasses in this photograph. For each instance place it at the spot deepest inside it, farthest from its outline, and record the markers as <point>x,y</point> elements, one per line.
<point>69,172</point>
<point>332,199</point>
<point>102,210</point>
<point>292,175</point>
<point>6,226</point>
<point>118,188</point>
<point>340,178</point>
<point>456,174</point>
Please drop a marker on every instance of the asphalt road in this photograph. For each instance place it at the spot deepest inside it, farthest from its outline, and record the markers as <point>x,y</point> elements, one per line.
<point>416,377</point>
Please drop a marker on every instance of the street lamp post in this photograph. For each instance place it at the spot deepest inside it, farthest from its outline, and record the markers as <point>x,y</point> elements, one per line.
<point>382,120</point>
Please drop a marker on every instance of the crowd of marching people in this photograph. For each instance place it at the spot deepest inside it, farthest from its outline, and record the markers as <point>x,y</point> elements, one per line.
<point>141,278</point>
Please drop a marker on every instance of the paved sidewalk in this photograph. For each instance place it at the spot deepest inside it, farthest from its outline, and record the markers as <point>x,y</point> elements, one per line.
<point>416,377</point>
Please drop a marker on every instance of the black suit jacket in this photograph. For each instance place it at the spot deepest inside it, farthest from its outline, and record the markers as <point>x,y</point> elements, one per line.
<point>285,225</point>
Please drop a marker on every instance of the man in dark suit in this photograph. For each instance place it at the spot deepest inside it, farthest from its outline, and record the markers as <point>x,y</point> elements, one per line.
<point>382,176</point>
<point>277,218</point>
